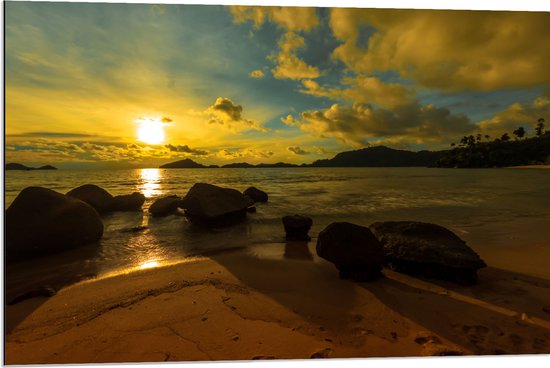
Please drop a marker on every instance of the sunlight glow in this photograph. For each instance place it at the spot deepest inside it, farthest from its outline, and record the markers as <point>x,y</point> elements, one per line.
<point>150,264</point>
<point>150,131</point>
<point>150,186</point>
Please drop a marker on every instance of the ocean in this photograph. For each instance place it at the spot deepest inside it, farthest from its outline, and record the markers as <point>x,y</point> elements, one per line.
<point>503,214</point>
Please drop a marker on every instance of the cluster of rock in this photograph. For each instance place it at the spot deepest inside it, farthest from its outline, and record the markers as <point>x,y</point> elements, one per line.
<point>41,221</point>
<point>210,205</point>
<point>414,248</point>
<point>104,202</point>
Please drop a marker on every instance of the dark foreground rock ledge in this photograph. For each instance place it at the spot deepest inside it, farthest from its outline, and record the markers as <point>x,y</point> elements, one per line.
<point>353,249</point>
<point>425,249</point>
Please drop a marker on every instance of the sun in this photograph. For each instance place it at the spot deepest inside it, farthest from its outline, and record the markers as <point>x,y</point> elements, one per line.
<point>150,131</point>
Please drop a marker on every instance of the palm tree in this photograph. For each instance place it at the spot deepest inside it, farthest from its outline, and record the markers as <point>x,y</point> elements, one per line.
<point>540,127</point>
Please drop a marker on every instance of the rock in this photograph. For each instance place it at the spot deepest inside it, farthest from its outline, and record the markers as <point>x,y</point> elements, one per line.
<point>128,202</point>
<point>41,221</point>
<point>249,201</point>
<point>214,206</point>
<point>353,249</point>
<point>425,249</point>
<point>256,194</point>
<point>297,227</point>
<point>95,196</point>
<point>164,206</point>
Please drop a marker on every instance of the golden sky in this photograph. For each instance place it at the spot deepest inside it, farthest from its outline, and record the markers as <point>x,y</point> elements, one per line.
<point>140,85</point>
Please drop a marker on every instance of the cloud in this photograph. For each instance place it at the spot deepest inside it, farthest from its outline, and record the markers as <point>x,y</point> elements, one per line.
<point>516,115</point>
<point>363,89</point>
<point>166,120</point>
<point>357,124</point>
<point>447,50</point>
<point>256,74</point>
<point>290,66</point>
<point>298,151</point>
<point>186,149</point>
<point>289,18</point>
<point>242,153</point>
<point>226,112</point>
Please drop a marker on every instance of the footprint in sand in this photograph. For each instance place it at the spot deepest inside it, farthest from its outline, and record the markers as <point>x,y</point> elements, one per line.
<point>433,346</point>
<point>515,339</point>
<point>540,345</point>
<point>325,353</point>
<point>476,334</point>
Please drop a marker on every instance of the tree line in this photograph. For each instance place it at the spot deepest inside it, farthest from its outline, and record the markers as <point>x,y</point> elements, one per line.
<point>482,151</point>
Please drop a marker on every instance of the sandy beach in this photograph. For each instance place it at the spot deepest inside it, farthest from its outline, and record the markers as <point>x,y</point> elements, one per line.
<point>278,301</point>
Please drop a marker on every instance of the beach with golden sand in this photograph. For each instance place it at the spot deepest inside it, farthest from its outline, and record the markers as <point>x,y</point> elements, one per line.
<point>279,301</point>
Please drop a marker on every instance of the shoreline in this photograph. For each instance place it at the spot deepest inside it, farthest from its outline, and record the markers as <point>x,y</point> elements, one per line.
<point>241,306</point>
<point>529,167</point>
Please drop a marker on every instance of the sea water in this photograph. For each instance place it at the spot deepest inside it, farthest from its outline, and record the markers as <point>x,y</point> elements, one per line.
<point>492,209</point>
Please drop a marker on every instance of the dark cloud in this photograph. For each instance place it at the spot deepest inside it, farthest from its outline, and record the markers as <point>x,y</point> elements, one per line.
<point>355,124</point>
<point>186,149</point>
<point>226,112</point>
<point>166,119</point>
<point>298,151</point>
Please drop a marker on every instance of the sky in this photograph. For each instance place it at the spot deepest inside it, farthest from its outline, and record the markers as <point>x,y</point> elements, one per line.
<point>140,85</point>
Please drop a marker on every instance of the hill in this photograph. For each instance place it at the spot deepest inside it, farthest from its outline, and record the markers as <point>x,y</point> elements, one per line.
<point>380,156</point>
<point>498,153</point>
<point>183,164</point>
<point>16,166</point>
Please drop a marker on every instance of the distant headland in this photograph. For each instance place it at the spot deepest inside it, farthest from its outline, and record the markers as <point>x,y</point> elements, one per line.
<point>471,152</point>
<point>379,156</point>
<point>16,166</point>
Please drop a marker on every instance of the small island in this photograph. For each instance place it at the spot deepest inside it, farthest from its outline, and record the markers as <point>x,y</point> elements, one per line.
<point>16,166</point>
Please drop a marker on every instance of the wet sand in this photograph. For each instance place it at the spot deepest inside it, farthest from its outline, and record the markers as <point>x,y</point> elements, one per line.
<point>277,301</point>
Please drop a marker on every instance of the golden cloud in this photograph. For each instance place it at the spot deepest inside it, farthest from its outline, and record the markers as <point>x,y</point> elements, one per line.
<point>517,115</point>
<point>256,74</point>
<point>448,50</point>
<point>363,89</point>
<point>290,66</point>
<point>225,112</point>
<point>289,18</point>
<point>355,125</point>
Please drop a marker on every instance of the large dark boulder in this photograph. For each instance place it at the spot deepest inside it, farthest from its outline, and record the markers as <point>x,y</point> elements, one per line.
<point>95,196</point>
<point>128,202</point>
<point>212,205</point>
<point>297,227</point>
<point>164,206</point>
<point>424,249</point>
<point>353,249</point>
<point>41,221</point>
<point>256,194</point>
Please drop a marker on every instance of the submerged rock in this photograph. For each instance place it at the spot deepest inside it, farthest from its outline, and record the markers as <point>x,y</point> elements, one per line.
<point>297,227</point>
<point>95,196</point>
<point>256,194</point>
<point>419,248</point>
<point>41,221</point>
<point>164,206</point>
<point>212,205</point>
<point>353,249</point>
<point>128,202</point>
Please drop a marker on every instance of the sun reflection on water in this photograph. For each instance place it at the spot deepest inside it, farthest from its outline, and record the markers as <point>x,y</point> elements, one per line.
<point>149,264</point>
<point>150,182</point>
